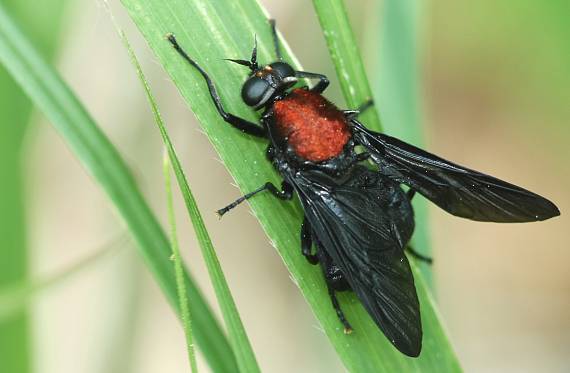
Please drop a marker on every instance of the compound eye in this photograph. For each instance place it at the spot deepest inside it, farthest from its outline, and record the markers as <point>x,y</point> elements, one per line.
<point>283,69</point>
<point>256,91</point>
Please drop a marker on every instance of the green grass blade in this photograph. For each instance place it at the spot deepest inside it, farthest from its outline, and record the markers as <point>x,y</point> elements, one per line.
<point>397,88</point>
<point>399,50</point>
<point>93,149</point>
<point>346,58</point>
<point>183,303</point>
<point>16,337</point>
<point>237,335</point>
<point>178,267</point>
<point>210,31</point>
<point>396,91</point>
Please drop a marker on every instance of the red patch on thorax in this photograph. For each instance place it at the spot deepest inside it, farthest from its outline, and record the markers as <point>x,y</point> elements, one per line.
<point>315,128</point>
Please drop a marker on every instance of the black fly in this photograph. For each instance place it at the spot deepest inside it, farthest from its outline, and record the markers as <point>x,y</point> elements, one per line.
<point>360,220</point>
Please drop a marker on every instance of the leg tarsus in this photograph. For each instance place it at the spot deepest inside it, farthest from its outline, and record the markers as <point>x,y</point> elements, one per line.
<point>366,105</point>
<point>275,40</point>
<point>285,193</point>
<point>418,256</point>
<point>351,114</point>
<point>320,86</point>
<point>307,242</point>
<point>339,313</point>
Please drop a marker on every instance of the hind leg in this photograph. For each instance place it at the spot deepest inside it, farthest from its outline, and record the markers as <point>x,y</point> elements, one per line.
<point>339,313</point>
<point>307,242</point>
<point>335,282</point>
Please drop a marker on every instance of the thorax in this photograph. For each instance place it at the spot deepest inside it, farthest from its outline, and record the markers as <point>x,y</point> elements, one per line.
<point>310,126</point>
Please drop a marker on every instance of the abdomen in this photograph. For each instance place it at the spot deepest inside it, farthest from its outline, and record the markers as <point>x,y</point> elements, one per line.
<point>314,128</point>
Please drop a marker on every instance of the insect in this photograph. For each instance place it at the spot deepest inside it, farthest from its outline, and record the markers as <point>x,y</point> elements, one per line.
<point>358,218</point>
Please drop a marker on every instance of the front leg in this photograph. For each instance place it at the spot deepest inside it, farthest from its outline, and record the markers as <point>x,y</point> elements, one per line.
<point>237,122</point>
<point>320,86</point>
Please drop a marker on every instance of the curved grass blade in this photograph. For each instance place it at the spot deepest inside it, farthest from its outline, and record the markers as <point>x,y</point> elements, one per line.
<point>16,333</point>
<point>178,267</point>
<point>346,58</point>
<point>397,88</point>
<point>237,335</point>
<point>210,31</point>
<point>100,158</point>
<point>399,99</point>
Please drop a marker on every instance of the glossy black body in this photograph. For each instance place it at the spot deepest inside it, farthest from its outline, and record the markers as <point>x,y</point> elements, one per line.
<point>358,220</point>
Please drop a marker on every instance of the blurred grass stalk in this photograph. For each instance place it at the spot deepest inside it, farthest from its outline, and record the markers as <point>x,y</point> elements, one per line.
<point>238,337</point>
<point>183,303</point>
<point>178,267</point>
<point>396,86</point>
<point>102,160</point>
<point>15,333</point>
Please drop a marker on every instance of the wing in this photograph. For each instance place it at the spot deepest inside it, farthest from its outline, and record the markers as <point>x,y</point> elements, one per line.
<point>456,189</point>
<point>361,226</point>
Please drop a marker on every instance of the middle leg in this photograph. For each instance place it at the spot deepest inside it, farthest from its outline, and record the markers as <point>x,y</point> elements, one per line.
<point>285,193</point>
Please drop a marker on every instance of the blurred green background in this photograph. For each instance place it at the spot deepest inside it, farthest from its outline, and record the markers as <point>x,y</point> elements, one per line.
<point>494,81</point>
